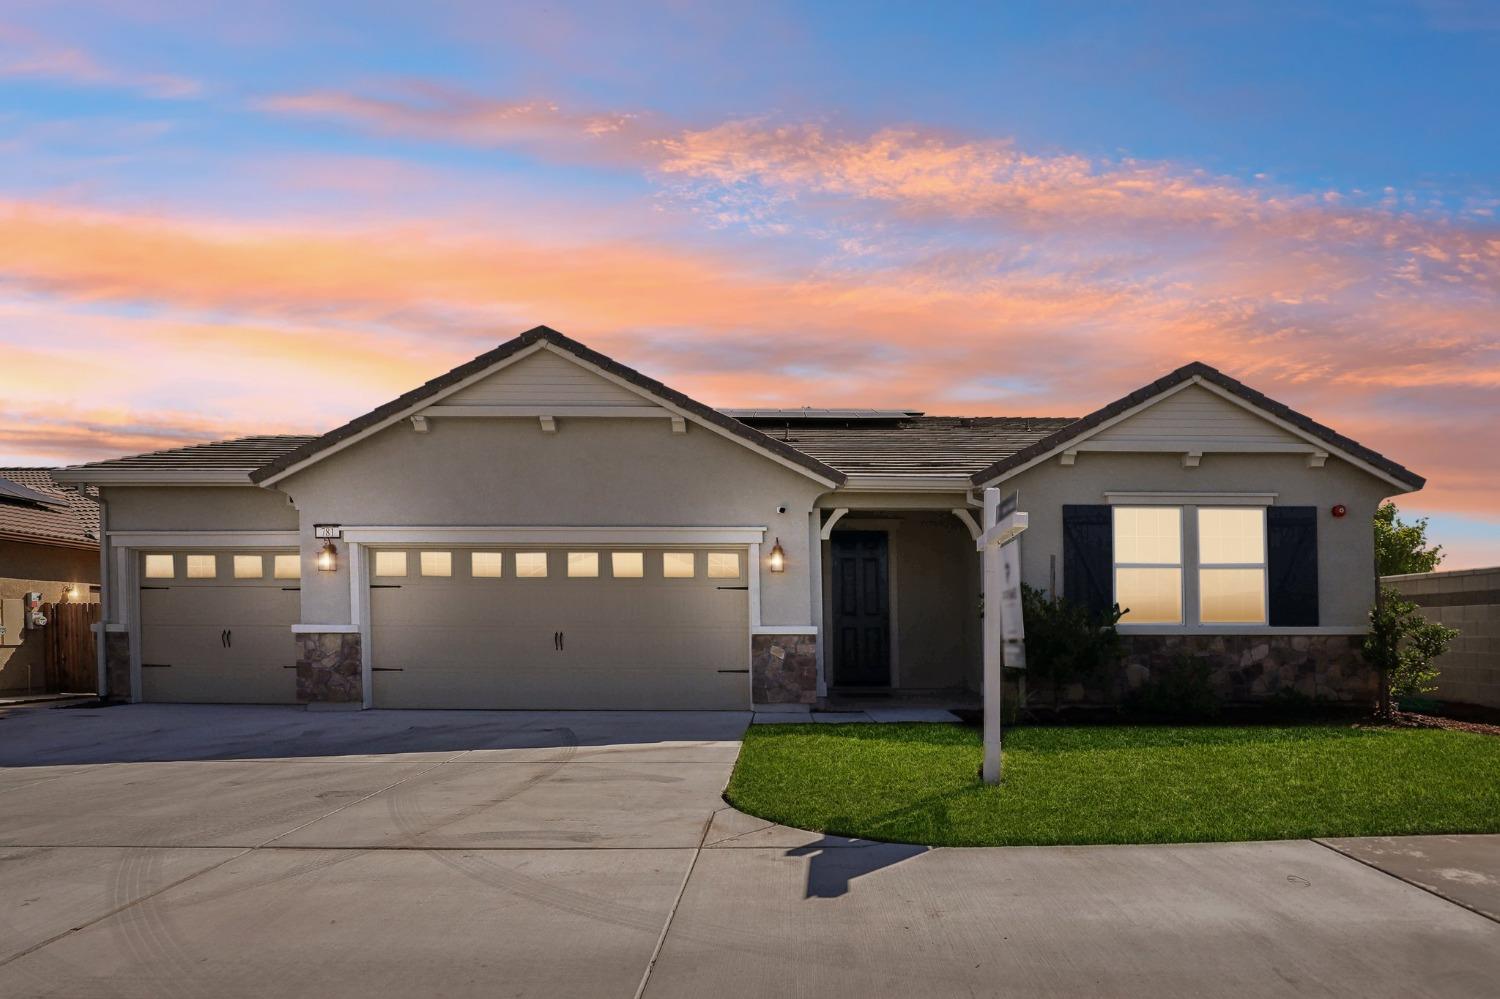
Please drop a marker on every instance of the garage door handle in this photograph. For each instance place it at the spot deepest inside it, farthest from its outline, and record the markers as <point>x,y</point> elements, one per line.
<point>156,665</point>
<point>732,671</point>
<point>224,639</point>
<point>387,669</point>
<point>229,639</point>
<point>731,587</point>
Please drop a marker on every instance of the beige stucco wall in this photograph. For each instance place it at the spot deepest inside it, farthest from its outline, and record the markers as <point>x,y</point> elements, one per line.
<point>50,571</point>
<point>1468,600</point>
<point>198,508</point>
<point>591,472</point>
<point>1345,545</point>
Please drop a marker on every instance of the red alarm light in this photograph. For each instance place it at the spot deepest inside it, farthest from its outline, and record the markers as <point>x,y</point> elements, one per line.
<point>1339,509</point>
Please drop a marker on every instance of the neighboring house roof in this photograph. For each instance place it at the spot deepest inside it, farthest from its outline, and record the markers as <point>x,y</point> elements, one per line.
<point>1212,376</point>
<point>396,408</point>
<point>35,508</point>
<point>910,446</point>
<point>228,461</point>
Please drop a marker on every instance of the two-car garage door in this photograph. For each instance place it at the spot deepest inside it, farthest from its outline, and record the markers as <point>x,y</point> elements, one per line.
<point>572,627</point>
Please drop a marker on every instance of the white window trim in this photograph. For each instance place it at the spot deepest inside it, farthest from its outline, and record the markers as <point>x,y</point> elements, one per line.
<point>554,536</point>
<point>1189,499</point>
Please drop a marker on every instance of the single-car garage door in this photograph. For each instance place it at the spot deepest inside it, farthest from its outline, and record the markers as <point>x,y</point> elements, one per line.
<point>217,626</point>
<point>580,628</point>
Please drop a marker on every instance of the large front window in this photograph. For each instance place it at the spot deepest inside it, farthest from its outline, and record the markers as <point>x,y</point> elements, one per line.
<point>1224,547</point>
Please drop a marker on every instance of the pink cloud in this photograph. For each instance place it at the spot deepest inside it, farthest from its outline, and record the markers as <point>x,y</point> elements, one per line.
<point>25,55</point>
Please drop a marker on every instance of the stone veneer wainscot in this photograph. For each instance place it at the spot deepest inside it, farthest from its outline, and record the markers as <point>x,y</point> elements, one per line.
<point>783,669</point>
<point>328,668</point>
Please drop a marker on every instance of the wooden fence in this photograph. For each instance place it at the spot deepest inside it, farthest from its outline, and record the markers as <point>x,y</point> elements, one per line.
<point>72,664</point>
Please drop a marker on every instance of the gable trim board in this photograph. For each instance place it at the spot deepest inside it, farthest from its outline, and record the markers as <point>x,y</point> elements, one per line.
<point>1070,439</point>
<point>464,376</point>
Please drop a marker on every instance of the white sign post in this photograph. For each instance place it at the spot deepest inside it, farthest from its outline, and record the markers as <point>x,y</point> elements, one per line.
<point>1004,630</point>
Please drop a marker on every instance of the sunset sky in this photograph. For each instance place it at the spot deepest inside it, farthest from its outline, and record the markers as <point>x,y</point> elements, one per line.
<point>220,219</point>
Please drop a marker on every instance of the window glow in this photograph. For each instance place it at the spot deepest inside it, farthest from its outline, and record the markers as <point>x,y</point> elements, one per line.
<point>288,567</point>
<point>1148,535</point>
<point>723,565</point>
<point>1231,536</point>
<point>1149,596</point>
<point>678,565</point>
<point>159,567</point>
<point>583,565</point>
<point>249,567</point>
<point>531,565</point>
<point>486,565</point>
<point>202,567</point>
<point>390,563</point>
<point>437,563</point>
<point>627,565</point>
<point>1232,596</point>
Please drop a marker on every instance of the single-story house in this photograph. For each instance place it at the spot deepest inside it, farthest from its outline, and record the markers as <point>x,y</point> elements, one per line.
<point>49,553</point>
<point>544,527</point>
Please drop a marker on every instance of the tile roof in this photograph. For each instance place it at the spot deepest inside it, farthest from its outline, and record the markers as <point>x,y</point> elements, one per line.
<point>915,446</point>
<point>42,511</point>
<point>237,454</point>
<point>1214,376</point>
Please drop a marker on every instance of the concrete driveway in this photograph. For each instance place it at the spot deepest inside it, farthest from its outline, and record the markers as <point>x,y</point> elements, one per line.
<point>224,851</point>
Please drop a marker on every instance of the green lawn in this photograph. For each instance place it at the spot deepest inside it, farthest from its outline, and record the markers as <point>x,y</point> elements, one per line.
<point>1119,784</point>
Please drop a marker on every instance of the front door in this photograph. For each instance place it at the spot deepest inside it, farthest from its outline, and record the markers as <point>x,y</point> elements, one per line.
<point>861,608</point>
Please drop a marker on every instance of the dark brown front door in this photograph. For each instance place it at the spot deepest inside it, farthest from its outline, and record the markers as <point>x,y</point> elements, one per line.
<point>861,608</point>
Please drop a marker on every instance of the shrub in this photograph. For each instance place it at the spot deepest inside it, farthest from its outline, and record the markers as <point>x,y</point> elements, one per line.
<point>1066,642</point>
<point>1401,645</point>
<point>1182,689</point>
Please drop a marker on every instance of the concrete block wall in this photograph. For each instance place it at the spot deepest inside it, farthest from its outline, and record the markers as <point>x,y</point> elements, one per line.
<point>1469,600</point>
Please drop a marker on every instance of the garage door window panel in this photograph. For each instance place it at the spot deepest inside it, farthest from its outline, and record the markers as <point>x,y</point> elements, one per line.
<point>627,565</point>
<point>249,567</point>
<point>288,567</point>
<point>160,567</point>
<point>583,565</point>
<point>486,565</point>
<point>531,565</point>
<point>723,565</point>
<point>202,566</point>
<point>678,565</point>
<point>438,564</point>
<point>390,564</point>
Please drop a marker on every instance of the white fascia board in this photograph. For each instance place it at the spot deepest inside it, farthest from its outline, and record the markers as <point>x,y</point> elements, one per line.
<point>148,477</point>
<point>325,629</point>
<point>1319,444</point>
<point>204,539</point>
<point>623,535</point>
<point>486,411</point>
<point>1197,445</point>
<point>1071,444</point>
<point>404,414</point>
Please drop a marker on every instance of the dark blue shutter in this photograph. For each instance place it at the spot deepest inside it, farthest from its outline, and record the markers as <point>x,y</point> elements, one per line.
<point>1292,565</point>
<point>1088,557</point>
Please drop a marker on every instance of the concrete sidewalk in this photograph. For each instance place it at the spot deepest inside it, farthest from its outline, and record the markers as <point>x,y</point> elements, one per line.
<point>178,851</point>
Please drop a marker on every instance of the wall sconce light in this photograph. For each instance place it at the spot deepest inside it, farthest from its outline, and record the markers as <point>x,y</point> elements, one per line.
<point>778,557</point>
<point>73,592</point>
<point>328,558</point>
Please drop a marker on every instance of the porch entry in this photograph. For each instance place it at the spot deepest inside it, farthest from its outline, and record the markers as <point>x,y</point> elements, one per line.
<point>861,608</point>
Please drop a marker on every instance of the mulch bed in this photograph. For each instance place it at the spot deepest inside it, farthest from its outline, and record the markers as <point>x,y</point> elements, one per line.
<point>1411,719</point>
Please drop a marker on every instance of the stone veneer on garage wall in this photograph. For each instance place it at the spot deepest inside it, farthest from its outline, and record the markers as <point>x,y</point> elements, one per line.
<point>1246,668</point>
<point>328,669</point>
<point>784,669</point>
<point>116,666</point>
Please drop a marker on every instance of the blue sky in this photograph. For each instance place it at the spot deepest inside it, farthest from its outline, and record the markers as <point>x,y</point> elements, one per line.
<point>836,203</point>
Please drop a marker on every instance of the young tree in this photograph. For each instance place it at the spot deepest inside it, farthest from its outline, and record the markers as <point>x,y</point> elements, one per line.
<point>1401,645</point>
<point>1400,547</point>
